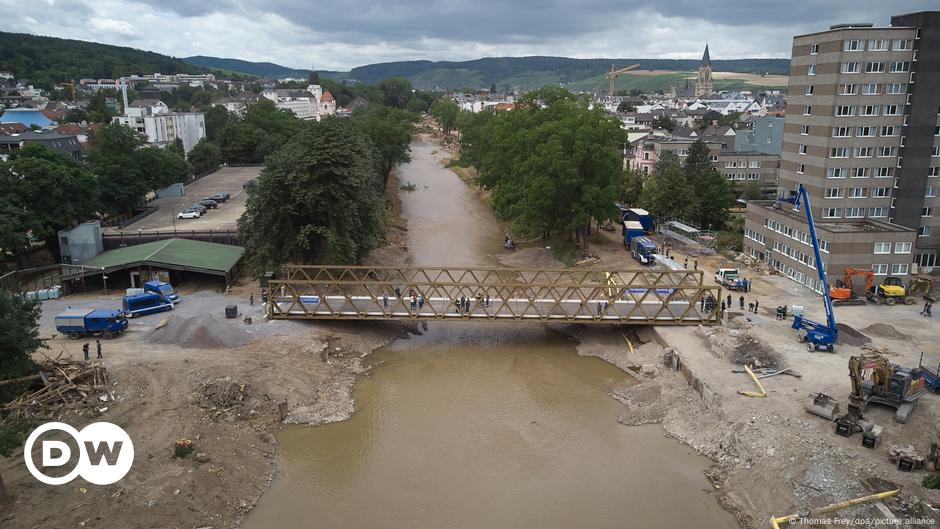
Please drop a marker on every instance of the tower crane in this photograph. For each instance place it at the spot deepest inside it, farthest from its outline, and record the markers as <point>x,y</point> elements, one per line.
<point>614,72</point>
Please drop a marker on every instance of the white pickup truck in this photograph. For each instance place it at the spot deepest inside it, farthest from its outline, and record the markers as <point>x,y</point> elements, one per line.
<point>729,278</point>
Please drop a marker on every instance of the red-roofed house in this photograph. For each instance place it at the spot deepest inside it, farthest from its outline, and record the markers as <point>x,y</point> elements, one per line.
<point>327,105</point>
<point>12,128</point>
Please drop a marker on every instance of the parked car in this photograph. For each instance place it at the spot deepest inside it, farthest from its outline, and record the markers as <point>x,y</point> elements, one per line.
<point>220,197</point>
<point>188,215</point>
<point>209,203</point>
<point>200,208</point>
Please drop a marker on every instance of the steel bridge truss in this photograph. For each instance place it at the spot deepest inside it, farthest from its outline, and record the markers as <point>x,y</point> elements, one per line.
<point>643,296</point>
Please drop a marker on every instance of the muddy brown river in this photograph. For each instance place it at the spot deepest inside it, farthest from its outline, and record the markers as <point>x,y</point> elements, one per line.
<point>485,425</point>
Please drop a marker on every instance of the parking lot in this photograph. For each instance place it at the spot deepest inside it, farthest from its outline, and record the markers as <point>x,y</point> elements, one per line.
<point>227,179</point>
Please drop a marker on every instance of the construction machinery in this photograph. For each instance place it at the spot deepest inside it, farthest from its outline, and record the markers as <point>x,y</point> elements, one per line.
<point>921,286</point>
<point>889,292</point>
<point>876,380</point>
<point>614,72</point>
<point>843,293</point>
<point>819,336</point>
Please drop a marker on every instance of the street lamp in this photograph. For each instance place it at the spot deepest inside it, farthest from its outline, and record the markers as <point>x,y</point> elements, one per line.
<point>104,279</point>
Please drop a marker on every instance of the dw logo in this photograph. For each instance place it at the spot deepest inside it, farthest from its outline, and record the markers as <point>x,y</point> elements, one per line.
<point>105,453</point>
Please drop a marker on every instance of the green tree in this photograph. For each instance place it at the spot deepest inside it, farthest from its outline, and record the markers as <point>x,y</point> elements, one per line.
<point>318,199</point>
<point>263,130</point>
<point>19,334</point>
<point>49,192</point>
<point>14,233</point>
<point>667,193</point>
<point>97,109</point>
<point>714,194</point>
<point>397,91</point>
<point>752,190</point>
<point>663,122</point>
<point>446,111</point>
<point>113,158</point>
<point>205,156</point>
<point>390,131</point>
<point>161,167</point>
<point>218,119</point>
<point>626,106</point>
<point>631,192</point>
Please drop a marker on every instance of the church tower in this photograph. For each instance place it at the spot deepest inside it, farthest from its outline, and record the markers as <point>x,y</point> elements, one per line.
<point>703,84</point>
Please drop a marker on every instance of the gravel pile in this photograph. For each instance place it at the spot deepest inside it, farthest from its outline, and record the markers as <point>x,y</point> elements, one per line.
<point>753,351</point>
<point>885,331</point>
<point>204,331</point>
<point>849,336</point>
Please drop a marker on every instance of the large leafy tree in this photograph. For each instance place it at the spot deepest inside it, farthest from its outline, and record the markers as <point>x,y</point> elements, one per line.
<point>162,167</point>
<point>667,193</point>
<point>714,194</point>
<point>446,112</point>
<point>19,334</point>
<point>390,131</point>
<point>205,156</point>
<point>397,91</point>
<point>45,192</point>
<point>113,157</point>
<point>263,130</point>
<point>218,119</point>
<point>318,199</point>
<point>553,163</point>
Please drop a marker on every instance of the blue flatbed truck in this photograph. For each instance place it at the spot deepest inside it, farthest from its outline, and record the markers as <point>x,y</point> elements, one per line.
<point>76,323</point>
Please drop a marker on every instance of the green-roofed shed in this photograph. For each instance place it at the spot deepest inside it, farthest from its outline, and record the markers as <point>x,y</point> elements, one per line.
<point>173,254</point>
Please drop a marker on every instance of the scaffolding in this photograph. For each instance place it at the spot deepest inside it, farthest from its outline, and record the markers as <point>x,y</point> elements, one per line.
<point>643,296</point>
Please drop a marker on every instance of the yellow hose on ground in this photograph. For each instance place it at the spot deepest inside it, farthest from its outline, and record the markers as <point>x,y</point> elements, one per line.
<point>789,519</point>
<point>763,392</point>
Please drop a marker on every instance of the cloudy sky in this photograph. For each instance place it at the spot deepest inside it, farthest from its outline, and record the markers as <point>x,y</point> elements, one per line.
<point>337,35</point>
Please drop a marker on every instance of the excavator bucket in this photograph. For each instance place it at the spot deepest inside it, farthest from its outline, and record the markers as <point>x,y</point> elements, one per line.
<point>823,405</point>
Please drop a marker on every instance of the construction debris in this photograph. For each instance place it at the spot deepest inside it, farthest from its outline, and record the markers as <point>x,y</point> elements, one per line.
<point>66,385</point>
<point>226,393</point>
<point>753,351</point>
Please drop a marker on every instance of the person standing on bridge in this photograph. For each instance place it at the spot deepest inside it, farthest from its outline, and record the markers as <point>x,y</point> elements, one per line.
<point>486,301</point>
<point>385,301</point>
<point>685,264</point>
<point>421,301</point>
<point>696,264</point>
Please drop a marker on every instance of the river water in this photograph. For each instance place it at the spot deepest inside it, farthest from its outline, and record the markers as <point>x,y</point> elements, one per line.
<point>482,425</point>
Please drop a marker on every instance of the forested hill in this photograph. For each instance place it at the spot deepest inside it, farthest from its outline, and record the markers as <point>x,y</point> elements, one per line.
<point>567,70</point>
<point>261,69</point>
<point>48,60</point>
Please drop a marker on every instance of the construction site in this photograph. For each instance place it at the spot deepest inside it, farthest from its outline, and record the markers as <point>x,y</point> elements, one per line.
<point>748,402</point>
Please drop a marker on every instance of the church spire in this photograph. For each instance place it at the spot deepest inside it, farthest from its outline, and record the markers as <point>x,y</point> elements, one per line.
<point>706,59</point>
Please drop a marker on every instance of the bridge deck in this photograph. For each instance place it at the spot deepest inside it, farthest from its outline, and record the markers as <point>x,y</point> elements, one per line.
<point>663,297</point>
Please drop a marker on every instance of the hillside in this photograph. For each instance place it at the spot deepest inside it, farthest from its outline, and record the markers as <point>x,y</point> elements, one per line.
<point>48,60</point>
<point>260,69</point>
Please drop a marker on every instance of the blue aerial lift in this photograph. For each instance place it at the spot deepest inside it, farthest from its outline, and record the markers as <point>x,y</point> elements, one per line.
<point>820,336</point>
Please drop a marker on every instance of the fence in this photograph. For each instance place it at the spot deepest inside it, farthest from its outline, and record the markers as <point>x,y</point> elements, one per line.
<point>126,238</point>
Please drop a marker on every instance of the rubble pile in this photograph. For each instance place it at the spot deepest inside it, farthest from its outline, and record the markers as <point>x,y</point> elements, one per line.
<point>61,386</point>
<point>226,393</point>
<point>751,350</point>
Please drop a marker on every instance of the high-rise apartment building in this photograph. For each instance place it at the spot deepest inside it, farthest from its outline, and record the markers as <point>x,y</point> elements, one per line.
<point>862,134</point>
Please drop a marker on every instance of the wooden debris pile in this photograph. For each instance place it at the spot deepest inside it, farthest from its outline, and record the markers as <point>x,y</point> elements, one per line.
<point>226,393</point>
<point>62,386</point>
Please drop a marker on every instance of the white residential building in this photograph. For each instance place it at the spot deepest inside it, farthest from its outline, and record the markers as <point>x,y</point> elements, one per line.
<point>153,119</point>
<point>305,104</point>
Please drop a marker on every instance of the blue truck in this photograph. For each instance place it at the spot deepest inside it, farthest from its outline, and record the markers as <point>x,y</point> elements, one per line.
<point>162,288</point>
<point>637,215</point>
<point>643,250</point>
<point>630,230</point>
<point>76,323</point>
<point>146,303</point>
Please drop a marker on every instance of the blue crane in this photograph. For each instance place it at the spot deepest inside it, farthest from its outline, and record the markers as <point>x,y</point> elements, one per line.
<point>820,336</point>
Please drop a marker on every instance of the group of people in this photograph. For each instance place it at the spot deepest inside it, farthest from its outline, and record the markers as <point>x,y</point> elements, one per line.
<point>417,300</point>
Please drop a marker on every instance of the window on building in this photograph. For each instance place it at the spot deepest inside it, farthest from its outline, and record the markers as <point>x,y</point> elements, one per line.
<point>900,269</point>
<point>882,248</point>
<point>858,192</point>
<point>884,172</point>
<point>850,67</point>
<point>803,149</point>
<point>868,110</point>
<point>845,110</point>
<point>866,131</point>
<point>832,213</point>
<point>835,172</point>
<point>682,152</point>
<point>854,213</point>
<point>936,151</point>
<point>878,45</point>
<point>895,88</point>
<point>841,132</point>
<point>930,192</point>
<point>877,212</point>
<point>800,168</point>
<point>890,131</point>
<point>852,45</point>
<point>807,110</point>
<point>886,151</point>
<point>880,192</point>
<point>880,269</point>
<point>923,231</point>
<point>813,49</point>
<point>754,164</point>
<point>824,245</point>
<point>804,130</point>
<point>811,69</point>
<point>900,66</point>
<point>933,171</point>
<point>753,176</point>
<point>892,110</point>
<point>860,172</point>
<point>927,212</point>
<point>848,89</point>
<point>874,67</point>
<point>863,152</point>
<point>871,89</point>
<point>839,152</point>
<point>901,44</point>
<point>902,247</point>
<point>809,90</point>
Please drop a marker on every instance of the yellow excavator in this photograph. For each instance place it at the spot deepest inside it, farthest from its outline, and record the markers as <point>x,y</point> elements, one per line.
<point>876,380</point>
<point>890,292</point>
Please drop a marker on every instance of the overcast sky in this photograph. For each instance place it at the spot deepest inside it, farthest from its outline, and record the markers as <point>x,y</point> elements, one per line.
<point>337,35</point>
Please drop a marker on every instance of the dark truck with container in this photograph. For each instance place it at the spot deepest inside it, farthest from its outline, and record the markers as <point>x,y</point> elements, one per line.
<point>643,250</point>
<point>76,323</point>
